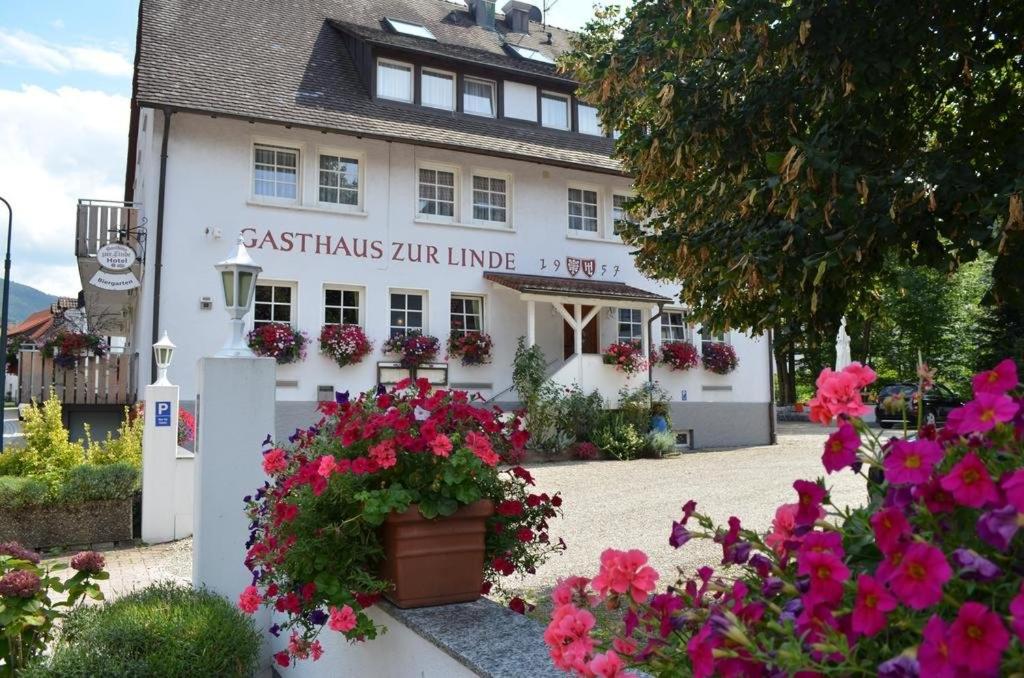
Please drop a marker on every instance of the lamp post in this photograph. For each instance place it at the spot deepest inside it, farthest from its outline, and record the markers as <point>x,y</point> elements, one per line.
<point>3,316</point>
<point>162,352</point>
<point>238,278</point>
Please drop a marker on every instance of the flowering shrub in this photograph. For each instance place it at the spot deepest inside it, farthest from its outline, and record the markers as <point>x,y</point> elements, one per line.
<point>414,348</point>
<point>679,355</point>
<point>474,348</point>
<point>925,579</point>
<point>315,550</point>
<point>27,611</point>
<point>68,347</point>
<point>279,341</point>
<point>584,451</point>
<point>719,358</point>
<point>186,427</point>
<point>627,356</point>
<point>345,344</point>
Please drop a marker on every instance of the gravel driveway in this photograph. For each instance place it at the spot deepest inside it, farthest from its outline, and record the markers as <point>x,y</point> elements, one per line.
<point>632,504</point>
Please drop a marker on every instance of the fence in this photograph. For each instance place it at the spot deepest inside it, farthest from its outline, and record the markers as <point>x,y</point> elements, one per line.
<point>96,380</point>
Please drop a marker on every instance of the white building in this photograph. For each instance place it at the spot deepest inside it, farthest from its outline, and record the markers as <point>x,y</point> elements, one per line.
<point>397,164</point>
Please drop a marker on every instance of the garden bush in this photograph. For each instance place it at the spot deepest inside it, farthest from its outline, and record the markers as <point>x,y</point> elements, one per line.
<point>17,492</point>
<point>584,451</point>
<point>48,453</point>
<point>617,438</point>
<point>578,413</point>
<point>163,630</point>
<point>639,404</point>
<point>125,447</point>
<point>659,443</point>
<point>96,483</point>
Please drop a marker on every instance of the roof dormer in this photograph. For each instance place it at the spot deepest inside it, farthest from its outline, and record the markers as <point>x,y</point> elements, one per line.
<point>518,16</point>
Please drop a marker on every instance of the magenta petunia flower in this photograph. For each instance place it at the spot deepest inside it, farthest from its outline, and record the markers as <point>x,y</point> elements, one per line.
<point>872,606</point>
<point>1000,379</point>
<point>985,411</point>
<point>824,542</point>
<point>1017,614</point>
<point>970,483</point>
<point>827,573</point>
<point>1013,487</point>
<point>890,527</point>
<point>809,503</point>
<point>700,649</point>
<point>911,461</point>
<point>977,639</point>
<point>841,448</point>
<point>625,572</point>
<point>919,579</point>
<point>933,653</point>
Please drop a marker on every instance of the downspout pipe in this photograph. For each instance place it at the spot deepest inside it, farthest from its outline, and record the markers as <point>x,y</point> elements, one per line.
<point>650,341</point>
<point>772,436</point>
<point>159,249</point>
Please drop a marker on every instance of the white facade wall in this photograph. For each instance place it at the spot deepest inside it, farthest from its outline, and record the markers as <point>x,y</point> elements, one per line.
<point>209,191</point>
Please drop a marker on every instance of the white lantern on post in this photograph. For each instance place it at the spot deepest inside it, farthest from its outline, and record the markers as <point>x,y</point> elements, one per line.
<point>238,278</point>
<point>162,352</point>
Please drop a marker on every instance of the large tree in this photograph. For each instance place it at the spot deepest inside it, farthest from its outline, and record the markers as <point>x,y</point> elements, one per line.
<point>782,152</point>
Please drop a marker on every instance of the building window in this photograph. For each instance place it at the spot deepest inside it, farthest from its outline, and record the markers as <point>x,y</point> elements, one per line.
<point>437,89</point>
<point>478,97</point>
<point>273,304</point>
<point>436,193</point>
<point>276,172</point>
<point>588,121</point>
<point>673,326</point>
<point>467,315</point>
<point>630,325</point>
<point>341,306</point>
<point>490,199</point>
<point>406,313</point>
<point>708,337</point>
<point>339,180</point>
<point>394,80</point>
<point>582,210</point>
<point>619,213</point>
<point>554,110</point>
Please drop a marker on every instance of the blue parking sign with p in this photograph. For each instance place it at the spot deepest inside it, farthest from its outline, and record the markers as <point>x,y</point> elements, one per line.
<point>163,413</point>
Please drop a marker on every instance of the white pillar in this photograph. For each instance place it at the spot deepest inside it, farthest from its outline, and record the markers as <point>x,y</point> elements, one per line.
<point>235,403</point>
<point>577,313</point>
<point>531,323</point>
<point>159,457</point>
<point>645,338</point>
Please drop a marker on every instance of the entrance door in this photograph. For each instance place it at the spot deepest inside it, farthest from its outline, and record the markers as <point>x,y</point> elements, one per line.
<point>589,332</point>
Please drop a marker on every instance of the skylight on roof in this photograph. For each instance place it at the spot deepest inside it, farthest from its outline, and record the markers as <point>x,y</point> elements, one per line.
<point>531,54</point>
<point>406,28</point>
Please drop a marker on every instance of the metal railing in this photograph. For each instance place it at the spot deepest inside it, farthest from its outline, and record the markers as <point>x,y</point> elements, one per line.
<point>100,222</point>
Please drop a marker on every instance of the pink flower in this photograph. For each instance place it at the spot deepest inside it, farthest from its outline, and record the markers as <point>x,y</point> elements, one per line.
<point>568,638</point>
<point>839,393</point>
<point>864,375</point>
<point>343,620</point>
<point>316,650</point>
<point>841,448</point>
<point>88,561</point>
<point>999,379</point>
<point>890,527</point>
<point>327,466</point>
<point>933,653</point>
<point>872,606</point>
<point>249,600</point>
<point>782,528</point>
<point>608,665</point>
<point>911,461</point>
<point>480,446</point>
<point>625,572</point>
<point>809,503</point>
<point>384,454</point>
<point>827,574</point>
<point>700,650</point>
<point>969,482</point>
<point>977,639</point>
<point>1017,614</point>
<point>274,461</point>
<point>1013,486</point>
<point>569,587</point>
<point>918,580</point>
<point>985,411</point>
<point>441,445</point>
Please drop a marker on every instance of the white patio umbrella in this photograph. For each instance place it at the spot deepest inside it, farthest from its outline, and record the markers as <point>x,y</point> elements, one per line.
<point>842,347</point>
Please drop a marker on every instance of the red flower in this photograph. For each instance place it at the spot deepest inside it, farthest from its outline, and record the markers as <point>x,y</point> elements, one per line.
<point>283,659</point>
<point>249,600</point>
<point>872,606</point>
<point>969,482</point>
<point>274,461</point>
<point>503,565</point>
<point>524,534</point>
<point>510,507</point>
<point>890,527</point>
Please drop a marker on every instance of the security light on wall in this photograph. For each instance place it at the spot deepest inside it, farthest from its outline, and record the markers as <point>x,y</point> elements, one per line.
<point>238,276</point>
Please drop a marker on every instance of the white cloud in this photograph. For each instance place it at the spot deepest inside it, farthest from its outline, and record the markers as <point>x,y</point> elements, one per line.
<point>21,48</point>
<point>58,146</point>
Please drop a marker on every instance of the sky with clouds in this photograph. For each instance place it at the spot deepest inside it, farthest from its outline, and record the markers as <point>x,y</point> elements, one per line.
<point>65,89</point>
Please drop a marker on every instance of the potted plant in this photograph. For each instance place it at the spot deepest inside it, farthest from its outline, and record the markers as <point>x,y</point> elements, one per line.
<point>331,529</point>
<point>679,355</point>
<point>279,341</point>
<point>474,348</point>
<point>67,347</point>
<point>719,358</point>
<point>626,356</point>
<point>345,344</point>
<point>414,348</point>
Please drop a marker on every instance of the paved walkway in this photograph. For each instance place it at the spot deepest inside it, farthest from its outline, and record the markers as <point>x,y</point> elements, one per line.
<point>135,567</point>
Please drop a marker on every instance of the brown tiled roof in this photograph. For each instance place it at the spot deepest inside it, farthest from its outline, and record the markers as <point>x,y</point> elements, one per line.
<point>284,62</point>
<point>33,327</point>
<point>572,287</point>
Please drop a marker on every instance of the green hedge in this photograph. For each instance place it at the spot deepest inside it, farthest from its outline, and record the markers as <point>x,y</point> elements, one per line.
<point>94,483</point>
<point>162,630</point>
<point>17,492</point>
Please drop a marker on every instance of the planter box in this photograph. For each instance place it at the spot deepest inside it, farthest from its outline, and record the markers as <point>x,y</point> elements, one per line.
<point>438,561</point>
<point>94,522</point>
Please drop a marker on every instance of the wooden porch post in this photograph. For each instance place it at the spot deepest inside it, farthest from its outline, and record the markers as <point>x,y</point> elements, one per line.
<point>645,339</point>
<point>578,329</point>
<point>531,323</point>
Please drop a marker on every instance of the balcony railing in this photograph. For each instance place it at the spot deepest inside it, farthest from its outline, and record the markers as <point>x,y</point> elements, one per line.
<point>100,222</point>
<point>96,380</point>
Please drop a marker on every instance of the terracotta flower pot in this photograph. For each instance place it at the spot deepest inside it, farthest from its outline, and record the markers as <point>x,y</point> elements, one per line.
<point>437,561</point>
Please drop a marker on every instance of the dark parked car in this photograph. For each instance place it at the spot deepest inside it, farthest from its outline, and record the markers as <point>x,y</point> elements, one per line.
<point>937,404</point>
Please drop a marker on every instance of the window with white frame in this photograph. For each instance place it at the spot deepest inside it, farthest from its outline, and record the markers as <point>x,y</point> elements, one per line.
<point>620,214</point>
<point>407,313</point>
<point>673,326</point>
<point>582,210</point>
<point>588,121</point>
<point>339,180</point>
<point>708,336</point>
<point>554,110</point>
<point>275,172</point>
<point>437,89</point>
<point>436,193</point>
<point>394,80</point>
<point>467,314</point>
<point>490,198</point>
<point>274,303</point>
<point>342,306</point>
<point>630,325</point>
<point>478,97</point>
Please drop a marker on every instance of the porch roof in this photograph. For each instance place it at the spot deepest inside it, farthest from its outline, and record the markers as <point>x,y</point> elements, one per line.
<point>546,285</point>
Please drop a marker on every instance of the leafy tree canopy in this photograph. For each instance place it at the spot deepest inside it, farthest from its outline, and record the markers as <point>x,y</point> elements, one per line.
<point>782,152</point>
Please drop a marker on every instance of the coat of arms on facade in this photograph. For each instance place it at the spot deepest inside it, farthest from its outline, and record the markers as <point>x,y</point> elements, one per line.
<point>589,267</point>
<point>572,265</point>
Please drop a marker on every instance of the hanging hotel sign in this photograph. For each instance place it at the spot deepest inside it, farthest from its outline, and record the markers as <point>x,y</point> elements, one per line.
<point>115,257</point>
<point>116,282</point>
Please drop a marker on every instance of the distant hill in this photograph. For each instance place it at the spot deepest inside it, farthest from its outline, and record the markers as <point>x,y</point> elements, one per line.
<point>25,301</point>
